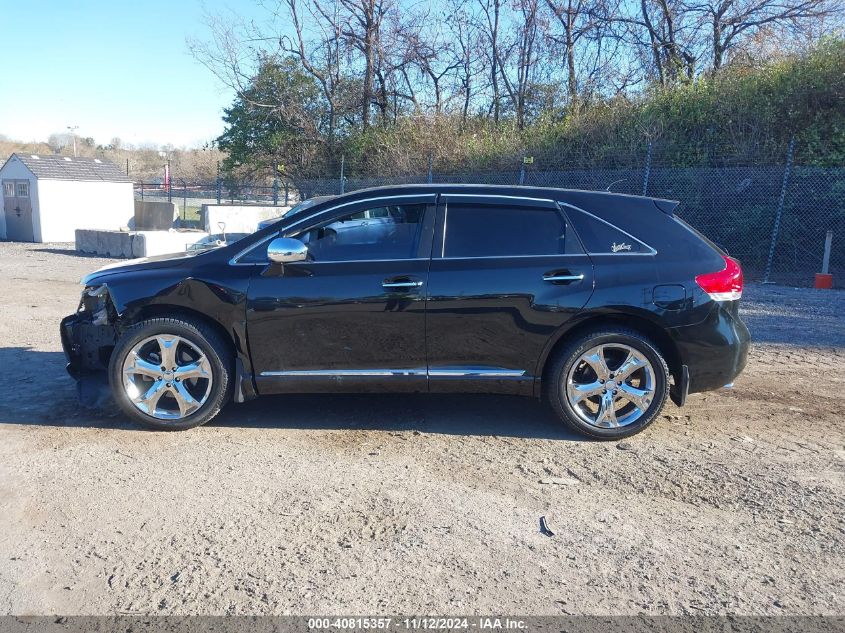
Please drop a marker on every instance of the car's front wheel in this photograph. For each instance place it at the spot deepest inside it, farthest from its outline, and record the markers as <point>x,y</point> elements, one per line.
<point>608,384</point>
<point>171,373</point>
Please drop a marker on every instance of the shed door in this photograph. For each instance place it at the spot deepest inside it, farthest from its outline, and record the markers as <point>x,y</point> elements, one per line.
<point>17,205</point>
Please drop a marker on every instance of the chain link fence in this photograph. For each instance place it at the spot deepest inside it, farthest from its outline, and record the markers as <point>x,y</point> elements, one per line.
<point>772,217</point>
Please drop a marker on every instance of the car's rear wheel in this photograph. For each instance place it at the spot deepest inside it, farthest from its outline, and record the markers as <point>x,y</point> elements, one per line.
<point>171,373</point>
<point>608,384</point>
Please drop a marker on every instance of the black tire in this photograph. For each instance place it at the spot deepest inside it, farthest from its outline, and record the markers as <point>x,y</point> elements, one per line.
<point>566,357</point>
<point>206,339</point>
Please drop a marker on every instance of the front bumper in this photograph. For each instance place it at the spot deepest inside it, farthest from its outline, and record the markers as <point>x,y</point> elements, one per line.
<point>715,351</point>
<point>87,346</point>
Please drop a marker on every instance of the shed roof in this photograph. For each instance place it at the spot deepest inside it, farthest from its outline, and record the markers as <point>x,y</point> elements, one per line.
<point>53,167</point>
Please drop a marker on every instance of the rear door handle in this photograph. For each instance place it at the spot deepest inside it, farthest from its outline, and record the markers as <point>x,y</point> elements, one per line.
<point>563,276</point>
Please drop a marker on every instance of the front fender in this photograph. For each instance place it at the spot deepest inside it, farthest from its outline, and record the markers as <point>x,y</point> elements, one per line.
<point>156,293</point>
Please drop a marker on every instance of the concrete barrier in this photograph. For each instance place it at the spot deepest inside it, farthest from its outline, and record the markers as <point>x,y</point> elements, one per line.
<point>238,218</point>
<point>110,243</point>
<point>154,216</point>
<point>130,244</point>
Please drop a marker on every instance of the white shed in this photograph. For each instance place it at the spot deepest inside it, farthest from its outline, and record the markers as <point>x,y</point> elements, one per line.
<point>46,198</point>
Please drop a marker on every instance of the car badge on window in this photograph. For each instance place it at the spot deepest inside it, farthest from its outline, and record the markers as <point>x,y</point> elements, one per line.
<point>620,247</point>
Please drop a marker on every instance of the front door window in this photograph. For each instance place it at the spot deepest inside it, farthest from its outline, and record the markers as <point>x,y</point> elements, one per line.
<point>385,232</point>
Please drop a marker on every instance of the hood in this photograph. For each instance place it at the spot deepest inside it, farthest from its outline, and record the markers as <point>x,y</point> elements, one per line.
<point>133,265</point>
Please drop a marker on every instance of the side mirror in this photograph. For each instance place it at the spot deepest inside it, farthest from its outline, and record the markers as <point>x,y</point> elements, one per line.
<point>286,250</point>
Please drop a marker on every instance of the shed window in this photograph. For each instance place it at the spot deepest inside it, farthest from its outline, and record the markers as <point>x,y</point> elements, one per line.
<point>23,190</point>
<point>9,189</point>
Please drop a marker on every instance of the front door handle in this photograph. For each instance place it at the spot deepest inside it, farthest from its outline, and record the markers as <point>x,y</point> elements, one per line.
<point>563,276</point>
<point>406,284</point>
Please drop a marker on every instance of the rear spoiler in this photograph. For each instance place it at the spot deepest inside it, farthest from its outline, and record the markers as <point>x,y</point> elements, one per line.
<point>667,206</point>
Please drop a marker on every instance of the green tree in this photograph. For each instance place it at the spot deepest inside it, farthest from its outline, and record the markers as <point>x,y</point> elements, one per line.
<point>276,127</point>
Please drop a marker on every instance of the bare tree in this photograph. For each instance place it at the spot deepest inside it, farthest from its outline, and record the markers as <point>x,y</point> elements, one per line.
<point>492,11</point>
<point>523,53</point>
<point>433,55</point>
<point>585,30</point>
<point>59,141</point>
<point>731,21</point>
<point>232,53</point>
<point>323,58</point>
<point>361,27</point>
<point>466,51</point>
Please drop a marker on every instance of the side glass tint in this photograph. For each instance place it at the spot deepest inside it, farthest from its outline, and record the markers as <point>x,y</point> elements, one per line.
<point>502,231</point>
<point>601,237</point>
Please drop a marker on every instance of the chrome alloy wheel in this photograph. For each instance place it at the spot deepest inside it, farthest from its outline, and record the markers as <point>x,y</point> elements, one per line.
<point>167,377</point>
<point>610,385</point>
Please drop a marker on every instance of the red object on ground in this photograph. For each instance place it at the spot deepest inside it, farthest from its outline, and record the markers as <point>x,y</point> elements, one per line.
<point>824,281</point>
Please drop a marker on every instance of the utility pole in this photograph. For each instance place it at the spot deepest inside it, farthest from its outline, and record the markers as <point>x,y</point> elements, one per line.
<point>73,129</point>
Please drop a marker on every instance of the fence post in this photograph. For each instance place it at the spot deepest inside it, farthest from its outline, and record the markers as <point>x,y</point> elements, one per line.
<point>776,228</point>
<point>828,243</point>
<point>342,183</point>
<point>647,169</point>
<point>275,192</point>
<point>286,193</point>
<point>219,189</point>
<point>142,191</point>
<point>184,201</point>
<point>522,172</point>
<point>430,168</point>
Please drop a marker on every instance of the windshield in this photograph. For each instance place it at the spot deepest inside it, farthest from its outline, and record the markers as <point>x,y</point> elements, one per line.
<point>302,206</point>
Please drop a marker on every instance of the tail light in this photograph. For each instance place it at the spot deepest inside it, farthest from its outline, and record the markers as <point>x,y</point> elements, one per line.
<point>725,285</point>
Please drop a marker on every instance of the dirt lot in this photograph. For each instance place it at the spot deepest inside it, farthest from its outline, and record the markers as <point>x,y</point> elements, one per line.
<point>381,505</point>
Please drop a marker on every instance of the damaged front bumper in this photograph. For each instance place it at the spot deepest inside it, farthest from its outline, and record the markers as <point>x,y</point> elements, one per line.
<point>87,346</point>
<point>88,338</point>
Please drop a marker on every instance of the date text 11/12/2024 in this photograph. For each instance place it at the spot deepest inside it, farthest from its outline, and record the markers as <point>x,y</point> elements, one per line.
<point>417,623</point>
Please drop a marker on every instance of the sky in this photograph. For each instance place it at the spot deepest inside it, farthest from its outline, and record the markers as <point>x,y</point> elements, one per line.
<point>114,68</point>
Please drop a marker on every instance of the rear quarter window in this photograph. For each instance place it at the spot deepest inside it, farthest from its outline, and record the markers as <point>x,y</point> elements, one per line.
<point>599,236</point>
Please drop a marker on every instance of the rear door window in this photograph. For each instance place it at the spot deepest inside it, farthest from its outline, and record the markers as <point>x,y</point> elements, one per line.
<point>474,230</point>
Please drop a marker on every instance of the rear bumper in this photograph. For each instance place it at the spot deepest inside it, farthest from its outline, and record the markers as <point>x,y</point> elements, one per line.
<point>715,350</point>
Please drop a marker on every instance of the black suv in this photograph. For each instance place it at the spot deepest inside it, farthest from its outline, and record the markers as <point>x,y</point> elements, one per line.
<point>603,304</point>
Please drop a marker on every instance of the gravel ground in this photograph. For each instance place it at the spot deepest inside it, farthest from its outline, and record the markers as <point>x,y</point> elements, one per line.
<point>388,504</point>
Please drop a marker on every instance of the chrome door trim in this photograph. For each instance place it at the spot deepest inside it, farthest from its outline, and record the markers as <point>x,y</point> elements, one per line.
<point>339,373</point>
<point>445,372</point>
<point>447,196</point>
<point>521,256</point>
<point>476,372</point>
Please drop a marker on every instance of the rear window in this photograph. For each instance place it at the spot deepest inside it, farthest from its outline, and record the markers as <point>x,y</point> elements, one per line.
<point>502,231</point>
<point>600,237</point>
